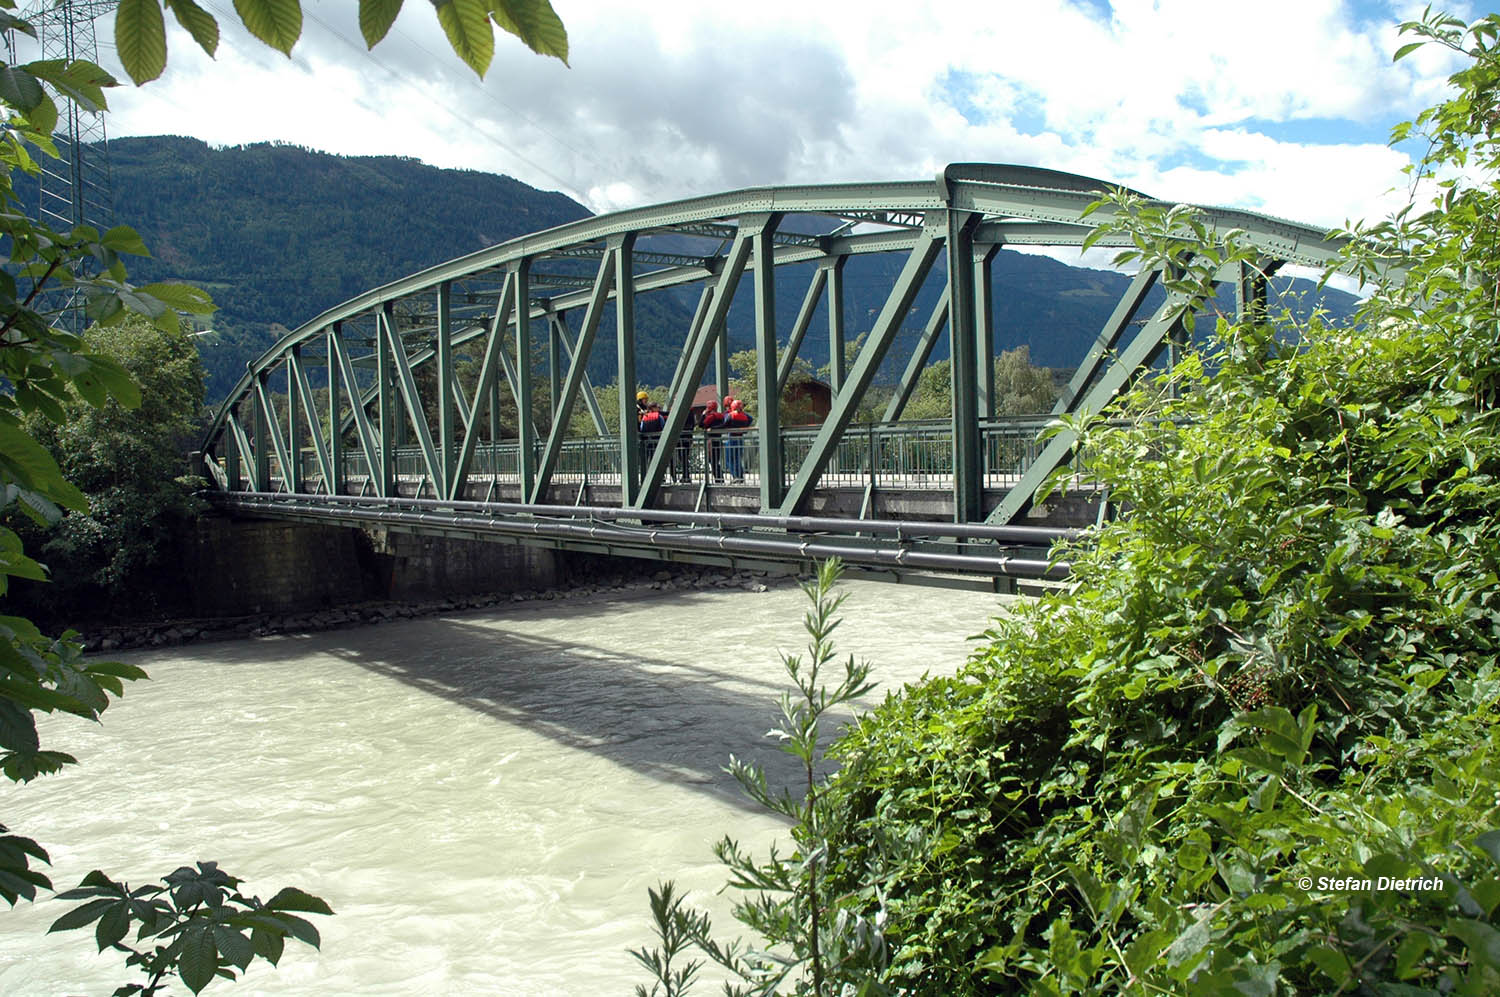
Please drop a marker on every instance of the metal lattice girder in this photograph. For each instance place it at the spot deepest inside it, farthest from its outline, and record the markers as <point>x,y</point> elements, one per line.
<point>589,398</point>
<point>577,376</point>
<point>385,383</point>
<point>1108,338</point>
<point>846,402</point>
<point>984,333</point>
<point>918,360</point>
<point>244,453</point>
<point>799,328</point>
<point>424,318</point>
<point>336,484</point>
<point>1020,206</point>
<point>486,389</point>
<point>447,384</point>
<point>630,456</point>
<point>303,391</point>
<point>836,361</point>
<point>526,418</point>
<point>726,234</point>
<point>642,257</point>
<point>768,383</point>
<point>1146,344</point>
<point>699,314</point>
<point>1250,286</point>
<point>964,367</point>
<point>369,441</point>
<point>268,428</point>
<point>554,360</point>
<point>407,385</point>
<point>698,351</point>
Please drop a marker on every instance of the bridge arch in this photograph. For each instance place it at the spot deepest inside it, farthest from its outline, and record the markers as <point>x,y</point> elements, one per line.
<point>397,425</point>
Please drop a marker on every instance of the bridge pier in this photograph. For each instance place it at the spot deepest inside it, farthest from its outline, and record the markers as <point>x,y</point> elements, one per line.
<point>236,566</point>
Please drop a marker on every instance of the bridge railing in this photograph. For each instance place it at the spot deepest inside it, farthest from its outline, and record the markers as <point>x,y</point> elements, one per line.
<point>908,455</point>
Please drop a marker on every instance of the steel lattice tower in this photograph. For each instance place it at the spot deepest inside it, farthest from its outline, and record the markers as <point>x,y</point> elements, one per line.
<point>75,189</point>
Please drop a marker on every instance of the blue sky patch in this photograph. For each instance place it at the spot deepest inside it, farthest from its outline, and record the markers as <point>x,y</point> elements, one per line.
<point>1321,131</point>
<point>958,89</point>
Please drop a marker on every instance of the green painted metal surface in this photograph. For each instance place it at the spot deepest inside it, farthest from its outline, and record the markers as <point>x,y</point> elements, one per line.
<point>393,425</point>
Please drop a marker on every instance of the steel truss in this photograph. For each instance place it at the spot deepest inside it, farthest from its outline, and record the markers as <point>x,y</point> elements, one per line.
<point>395,419</point>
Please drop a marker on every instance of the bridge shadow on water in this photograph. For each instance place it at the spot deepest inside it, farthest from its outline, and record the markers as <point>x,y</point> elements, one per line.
<point>560,671</point>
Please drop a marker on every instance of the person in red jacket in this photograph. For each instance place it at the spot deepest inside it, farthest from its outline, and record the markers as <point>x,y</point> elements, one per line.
<point>736,420</point>
<point>651,420</point>
<point>712,421</point>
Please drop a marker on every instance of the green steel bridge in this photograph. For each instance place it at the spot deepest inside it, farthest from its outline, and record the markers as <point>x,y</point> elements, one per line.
<point>393,436</point>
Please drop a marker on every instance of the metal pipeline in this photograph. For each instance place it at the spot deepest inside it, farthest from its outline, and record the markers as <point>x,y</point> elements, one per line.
<point>895,528</point>
<point>763,546</point>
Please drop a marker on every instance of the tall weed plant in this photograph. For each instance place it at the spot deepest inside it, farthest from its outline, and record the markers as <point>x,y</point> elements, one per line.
<point>1252,749</point>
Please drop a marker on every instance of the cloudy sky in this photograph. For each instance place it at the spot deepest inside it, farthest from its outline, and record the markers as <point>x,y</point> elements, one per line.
<point>1282,106</point>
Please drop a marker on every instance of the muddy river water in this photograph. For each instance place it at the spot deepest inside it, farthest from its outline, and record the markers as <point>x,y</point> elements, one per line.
<point>483,798</point>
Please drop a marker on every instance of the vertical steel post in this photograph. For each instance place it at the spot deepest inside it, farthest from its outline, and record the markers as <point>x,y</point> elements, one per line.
<point>447,437</point>
<point>630,452</point>
<point>336,483</point>
<point>1250,293</point>
<point>984,329</point>
<point>231,456</point>
<point>836,365</point>
<point>526,425</point>
<point>293,471</point>
<point>967,483</point>
<point>555,359</point>
<point>494,408</point>
<point>772,473</point>
<point>386,486</point>
<point>262,436</point>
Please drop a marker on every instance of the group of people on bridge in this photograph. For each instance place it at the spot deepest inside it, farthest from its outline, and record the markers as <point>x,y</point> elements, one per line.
<point>722,426</point>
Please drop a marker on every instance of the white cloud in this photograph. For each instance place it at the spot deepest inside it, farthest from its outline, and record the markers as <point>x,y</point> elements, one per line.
<point>1182,99</point>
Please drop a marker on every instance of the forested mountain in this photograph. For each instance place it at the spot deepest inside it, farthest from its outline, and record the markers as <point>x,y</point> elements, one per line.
<point>279,233</point>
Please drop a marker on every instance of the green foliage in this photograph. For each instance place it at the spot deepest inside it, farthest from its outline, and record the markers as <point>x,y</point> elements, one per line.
<point>141,38</point>
<point>1270,691</point>
<point>1279,666</point>
<point>203,927</point>
<point>82,394</point>
<point>48,369</point>
<point>130,464</point>
<point>1020,388</point>
<point>786,900</point>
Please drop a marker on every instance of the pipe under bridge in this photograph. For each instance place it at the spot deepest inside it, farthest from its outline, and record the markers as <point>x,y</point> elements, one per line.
<point>458,400</point>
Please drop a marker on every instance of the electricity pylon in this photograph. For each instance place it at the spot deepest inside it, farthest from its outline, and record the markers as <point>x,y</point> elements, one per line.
<point>74,189</point>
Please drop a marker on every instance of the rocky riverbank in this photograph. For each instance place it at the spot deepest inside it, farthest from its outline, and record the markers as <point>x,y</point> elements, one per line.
<point>165,633</point>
